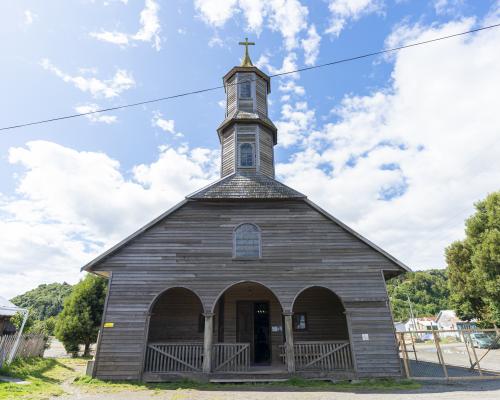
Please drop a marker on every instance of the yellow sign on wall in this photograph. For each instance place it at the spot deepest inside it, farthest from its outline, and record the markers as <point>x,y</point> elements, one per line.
<point>109,324</point>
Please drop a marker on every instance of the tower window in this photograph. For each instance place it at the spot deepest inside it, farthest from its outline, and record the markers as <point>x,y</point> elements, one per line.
<point>245,88</point>
<point>247,241</point>
<point>246,155</point>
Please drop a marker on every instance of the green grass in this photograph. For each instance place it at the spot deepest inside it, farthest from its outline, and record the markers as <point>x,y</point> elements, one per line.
<point>47,375</point>
<point>44,375</point>
<point>294,383</point>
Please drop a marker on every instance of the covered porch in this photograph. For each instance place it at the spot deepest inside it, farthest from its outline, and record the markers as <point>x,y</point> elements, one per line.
<point>247,334</point>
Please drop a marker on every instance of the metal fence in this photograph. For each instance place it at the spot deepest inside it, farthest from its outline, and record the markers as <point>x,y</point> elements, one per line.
<point>450,354</point>
<point>29,346</point>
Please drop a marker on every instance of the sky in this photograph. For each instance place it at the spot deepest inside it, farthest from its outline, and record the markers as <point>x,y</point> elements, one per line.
<point>399,147</point>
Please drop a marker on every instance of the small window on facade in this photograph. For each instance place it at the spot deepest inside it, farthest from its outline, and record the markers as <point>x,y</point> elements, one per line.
<point>247,241</point>
<point>299,322</point>
<point>245,88</point>
<point>246,155</point>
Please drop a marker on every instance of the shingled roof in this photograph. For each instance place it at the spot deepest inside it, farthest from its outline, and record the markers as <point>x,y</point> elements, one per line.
<point>249,117</point>
<point>246,186</point>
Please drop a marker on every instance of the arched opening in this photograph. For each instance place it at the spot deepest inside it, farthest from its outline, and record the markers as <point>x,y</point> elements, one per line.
<point>176,315</point>
<point>318,314</point>
<point>320,331</point>
<point>249,313</point>
<point>175,335</point>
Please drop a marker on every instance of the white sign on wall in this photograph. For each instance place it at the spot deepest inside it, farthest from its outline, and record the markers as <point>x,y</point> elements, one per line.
<point>365,336</point>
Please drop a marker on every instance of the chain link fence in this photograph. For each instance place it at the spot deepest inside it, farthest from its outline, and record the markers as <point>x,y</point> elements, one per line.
<point>450,354</point>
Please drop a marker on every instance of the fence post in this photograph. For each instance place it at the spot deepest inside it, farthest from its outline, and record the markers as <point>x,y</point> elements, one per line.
<point>402,345</point>
<point>475,355</point>
<point>440,353</point>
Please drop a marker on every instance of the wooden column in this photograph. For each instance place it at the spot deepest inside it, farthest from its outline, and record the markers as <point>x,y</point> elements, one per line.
<point>208,342</point>
<point>289,351</point>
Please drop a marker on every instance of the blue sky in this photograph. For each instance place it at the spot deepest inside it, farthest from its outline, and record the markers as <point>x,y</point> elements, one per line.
<point>399,147</point>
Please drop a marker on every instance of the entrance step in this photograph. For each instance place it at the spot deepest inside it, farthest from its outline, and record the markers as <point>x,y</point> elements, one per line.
<point>247,380</point>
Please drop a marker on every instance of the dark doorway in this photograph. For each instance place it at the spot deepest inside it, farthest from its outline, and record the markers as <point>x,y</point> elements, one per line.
<point>253,327</point>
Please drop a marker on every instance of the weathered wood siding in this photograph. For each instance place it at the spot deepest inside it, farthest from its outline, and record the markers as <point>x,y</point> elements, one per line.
<point>261,91</point>
<point>192,248</point>
<point>231,93</point>
<point>266,152</point>
<point>228,153</point>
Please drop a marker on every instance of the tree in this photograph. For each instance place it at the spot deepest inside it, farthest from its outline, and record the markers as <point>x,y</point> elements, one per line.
<point>79,321</point>
<point>474,264</point>
<point>427,290</point>
<point>44,301</point>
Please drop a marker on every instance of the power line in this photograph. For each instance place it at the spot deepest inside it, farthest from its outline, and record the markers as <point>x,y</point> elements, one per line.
<point>304,69</point>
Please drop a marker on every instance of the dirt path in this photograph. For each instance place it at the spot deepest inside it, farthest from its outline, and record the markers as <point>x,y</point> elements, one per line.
<point>486,390</point>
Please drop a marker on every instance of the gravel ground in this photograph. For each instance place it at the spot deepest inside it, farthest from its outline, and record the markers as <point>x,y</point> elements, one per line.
<point>486,390</point>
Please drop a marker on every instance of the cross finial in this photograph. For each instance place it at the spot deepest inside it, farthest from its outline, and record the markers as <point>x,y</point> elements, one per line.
<point>246,60</point>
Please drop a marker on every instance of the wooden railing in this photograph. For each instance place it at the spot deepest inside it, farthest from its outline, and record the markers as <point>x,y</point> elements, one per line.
<point>323,356</point>
<point>174,357</point>
<point>231,357</point>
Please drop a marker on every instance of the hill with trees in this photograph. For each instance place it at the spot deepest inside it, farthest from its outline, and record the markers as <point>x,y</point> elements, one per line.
<point>427,290</point>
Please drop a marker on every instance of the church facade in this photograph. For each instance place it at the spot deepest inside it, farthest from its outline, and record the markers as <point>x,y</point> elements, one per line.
<point>246,277</point>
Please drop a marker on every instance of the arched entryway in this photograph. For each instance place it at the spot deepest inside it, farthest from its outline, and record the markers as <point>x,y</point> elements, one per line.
<point>249,313</point>
<point>175,334</point>
<point>320,331</point>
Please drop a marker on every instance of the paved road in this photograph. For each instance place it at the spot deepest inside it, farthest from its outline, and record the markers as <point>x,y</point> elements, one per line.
<point>486,390</point>
<point>455,355</point>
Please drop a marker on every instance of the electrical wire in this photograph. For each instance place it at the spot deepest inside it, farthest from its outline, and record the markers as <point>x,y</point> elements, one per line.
<point>304,69</point>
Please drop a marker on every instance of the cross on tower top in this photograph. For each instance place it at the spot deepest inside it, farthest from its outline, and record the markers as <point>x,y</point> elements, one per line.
<point>246,60</point>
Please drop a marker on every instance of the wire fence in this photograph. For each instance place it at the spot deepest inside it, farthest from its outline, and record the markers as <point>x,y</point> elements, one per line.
<point>450,354</point>
<point>29,346</point>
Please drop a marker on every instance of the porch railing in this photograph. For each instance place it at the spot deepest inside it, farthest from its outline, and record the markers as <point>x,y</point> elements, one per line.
<point>323,356</point>
<point>174,357</point>
<point>231,357</point>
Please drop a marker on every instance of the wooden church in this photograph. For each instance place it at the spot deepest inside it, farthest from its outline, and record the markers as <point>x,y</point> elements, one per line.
<point>246,277</point>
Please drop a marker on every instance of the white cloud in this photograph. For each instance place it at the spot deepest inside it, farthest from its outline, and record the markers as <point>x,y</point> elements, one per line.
<point>311,45</point>
<point>289,17</point>
<point>405,164</point>
<point>448,7</point>
<point>29,17</point>
<point>70,206</point>
<point>121,81</point>
<point>149,30</point>
<point>167,125</point>
<point>344,10</point>
<point>97,117</point>
<point>295,123</point>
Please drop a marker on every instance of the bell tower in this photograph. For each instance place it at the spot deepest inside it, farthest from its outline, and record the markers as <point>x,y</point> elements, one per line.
<point>247,135</point>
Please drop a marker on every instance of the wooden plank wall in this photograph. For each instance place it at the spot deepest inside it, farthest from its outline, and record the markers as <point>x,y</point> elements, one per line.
<point>192,248</point>
<point>228,153</point>
<point>231,90</point>
<point>266,151</point>
<point>261,91</point>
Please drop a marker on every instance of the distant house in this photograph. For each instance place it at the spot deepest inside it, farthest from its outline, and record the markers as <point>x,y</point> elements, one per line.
<point>399,326</point>
<point>7,310</point>
<point>421,324</point>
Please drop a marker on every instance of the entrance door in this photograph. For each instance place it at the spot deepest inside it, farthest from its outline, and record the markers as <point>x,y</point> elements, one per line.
<point>252,326</point>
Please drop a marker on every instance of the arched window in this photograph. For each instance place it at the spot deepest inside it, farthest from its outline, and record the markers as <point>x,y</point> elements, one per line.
<point>246,155</point>
<point>247,241</point>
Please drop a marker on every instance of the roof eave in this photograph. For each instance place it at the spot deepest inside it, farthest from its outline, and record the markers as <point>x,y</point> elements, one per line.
<point>89,266</point>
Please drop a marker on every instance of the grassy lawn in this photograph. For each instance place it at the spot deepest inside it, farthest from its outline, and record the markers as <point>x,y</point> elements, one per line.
<point>47,375</point>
